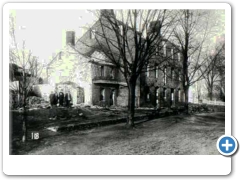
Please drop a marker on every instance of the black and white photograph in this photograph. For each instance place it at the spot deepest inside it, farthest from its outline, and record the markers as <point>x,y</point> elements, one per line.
<point>116,81</point>
<point>125,88</point>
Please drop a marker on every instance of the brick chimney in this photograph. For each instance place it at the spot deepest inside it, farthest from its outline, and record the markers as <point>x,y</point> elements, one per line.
<point>106,12</point>
<point>70,38</point>
<point>154,26</point>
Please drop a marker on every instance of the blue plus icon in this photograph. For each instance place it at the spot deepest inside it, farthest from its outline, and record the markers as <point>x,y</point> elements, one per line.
<point>227,145</point>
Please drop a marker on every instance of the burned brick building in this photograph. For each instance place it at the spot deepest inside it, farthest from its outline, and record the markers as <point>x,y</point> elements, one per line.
<point>160,85</point>
<point>103,84</point>
<point>108,84</point>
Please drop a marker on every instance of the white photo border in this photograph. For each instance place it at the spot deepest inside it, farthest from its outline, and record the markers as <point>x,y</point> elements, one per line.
<point>111,164</point>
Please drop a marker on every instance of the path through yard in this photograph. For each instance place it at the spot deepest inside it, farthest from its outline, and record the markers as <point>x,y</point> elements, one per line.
<point>180,135</point>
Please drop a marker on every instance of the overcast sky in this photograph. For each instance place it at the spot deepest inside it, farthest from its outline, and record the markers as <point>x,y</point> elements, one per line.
<point>42,29</point>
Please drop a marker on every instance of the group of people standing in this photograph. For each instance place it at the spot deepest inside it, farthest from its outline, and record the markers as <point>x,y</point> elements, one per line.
<point>60,99</point>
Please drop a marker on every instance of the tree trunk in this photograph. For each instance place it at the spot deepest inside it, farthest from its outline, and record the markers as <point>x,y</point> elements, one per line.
<point>24,127</point>
<point>210,96</point>
<point>131,106</point>
<point>186,99</point>
<point>24,115</point>
<point>210,91</point>
<point>129,97</point>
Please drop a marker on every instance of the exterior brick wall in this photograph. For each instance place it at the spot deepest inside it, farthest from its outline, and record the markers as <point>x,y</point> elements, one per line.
<point>151,83</point>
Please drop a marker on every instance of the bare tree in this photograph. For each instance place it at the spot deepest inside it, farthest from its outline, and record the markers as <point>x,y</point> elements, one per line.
<point>221,84</point>
<point>191,34</point>
<point>28,72</point>
<point>215,70</point>
<point>129,38</point>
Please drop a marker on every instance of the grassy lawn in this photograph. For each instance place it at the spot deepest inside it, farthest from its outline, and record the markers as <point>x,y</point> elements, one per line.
<point>180,135</point>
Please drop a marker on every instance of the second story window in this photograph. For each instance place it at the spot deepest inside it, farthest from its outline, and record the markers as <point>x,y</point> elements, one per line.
<point>102,71</point>
<point>92,34</point>
<point>172,53</point>
<point>172,74</point>
<point>179,75</point>
<point>156,71</point>
<point>112,72</point>
<point>178,56</point>
<point>165,76</point>
<point>164,49</point>
<point>147,72</point>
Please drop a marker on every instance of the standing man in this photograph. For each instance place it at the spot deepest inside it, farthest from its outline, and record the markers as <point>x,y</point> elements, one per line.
<point>68,99</point>
<point>61,98</point>
<point>53,102</point>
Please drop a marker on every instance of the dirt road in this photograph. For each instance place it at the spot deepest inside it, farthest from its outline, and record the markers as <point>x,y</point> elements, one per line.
<point>175,135</point>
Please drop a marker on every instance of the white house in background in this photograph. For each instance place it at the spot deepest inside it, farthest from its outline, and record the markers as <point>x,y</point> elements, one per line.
<point>90,78</point>
<point>71,71</point>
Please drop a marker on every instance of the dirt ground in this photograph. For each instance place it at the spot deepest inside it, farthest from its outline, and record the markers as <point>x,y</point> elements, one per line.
<point>173,135</point>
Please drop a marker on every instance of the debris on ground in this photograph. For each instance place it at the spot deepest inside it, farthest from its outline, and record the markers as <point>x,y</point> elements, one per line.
<point>54,129</point>
<point>82,105</point>
<point>34,102</point>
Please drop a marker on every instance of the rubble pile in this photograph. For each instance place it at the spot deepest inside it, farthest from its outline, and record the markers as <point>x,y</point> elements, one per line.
<point>37,102</point>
